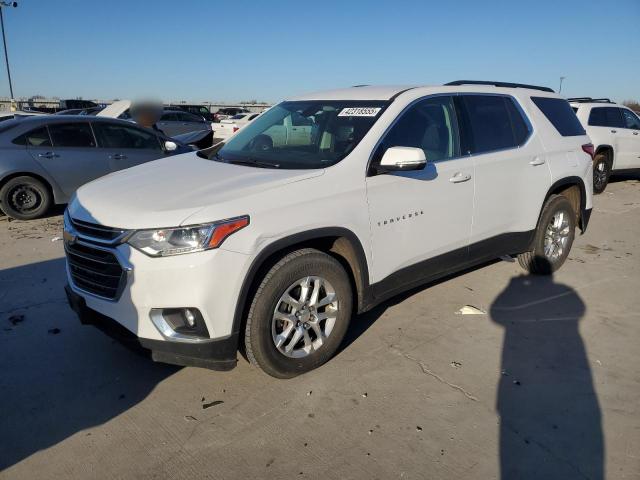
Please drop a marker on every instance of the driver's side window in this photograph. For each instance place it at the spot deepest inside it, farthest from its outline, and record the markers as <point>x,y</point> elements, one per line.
<point>630,120</point>
<point>429,124</point>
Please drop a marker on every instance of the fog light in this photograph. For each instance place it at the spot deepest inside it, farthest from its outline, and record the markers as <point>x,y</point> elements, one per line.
<point>180,324</point>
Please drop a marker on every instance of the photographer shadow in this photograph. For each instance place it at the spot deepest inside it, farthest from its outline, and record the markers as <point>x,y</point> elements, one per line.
<point>550,419</point>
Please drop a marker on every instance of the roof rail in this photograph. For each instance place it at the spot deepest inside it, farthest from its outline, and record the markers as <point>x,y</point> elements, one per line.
<point>589,100</point>
<point>499,84</point>
<point>363,85</point>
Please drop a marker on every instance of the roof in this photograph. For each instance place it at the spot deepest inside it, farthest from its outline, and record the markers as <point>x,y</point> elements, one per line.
<point>365,92</point>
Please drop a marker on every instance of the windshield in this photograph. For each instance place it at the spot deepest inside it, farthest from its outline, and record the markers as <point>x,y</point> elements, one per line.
<point>302,135</point>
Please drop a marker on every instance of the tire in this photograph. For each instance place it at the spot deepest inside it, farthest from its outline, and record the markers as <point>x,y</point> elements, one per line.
<point>601,172</point>
<point>25,198</point>
<point>544,262</point>
<point>266,322</point>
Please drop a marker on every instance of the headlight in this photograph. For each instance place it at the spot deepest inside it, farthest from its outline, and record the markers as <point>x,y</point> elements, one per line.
<point>163,242</point>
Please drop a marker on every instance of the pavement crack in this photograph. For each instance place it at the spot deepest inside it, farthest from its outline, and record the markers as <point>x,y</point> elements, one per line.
<point>431,373</point>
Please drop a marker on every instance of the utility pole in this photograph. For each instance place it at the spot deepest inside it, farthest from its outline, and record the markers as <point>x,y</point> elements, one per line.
<point>4,42</point>
<point>560,89</point>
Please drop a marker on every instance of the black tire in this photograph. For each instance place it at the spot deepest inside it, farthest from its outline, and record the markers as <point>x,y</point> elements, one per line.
<point>25,198</point>
<point>259,343</point>
<point>536,261</point>
<point>601,172</point>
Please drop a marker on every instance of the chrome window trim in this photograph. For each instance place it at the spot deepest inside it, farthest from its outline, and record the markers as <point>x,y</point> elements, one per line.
<point>521,110</point>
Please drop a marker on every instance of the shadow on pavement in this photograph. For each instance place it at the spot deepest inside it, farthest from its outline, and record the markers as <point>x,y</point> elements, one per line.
<point>57,377</point>
<point>550,420</point>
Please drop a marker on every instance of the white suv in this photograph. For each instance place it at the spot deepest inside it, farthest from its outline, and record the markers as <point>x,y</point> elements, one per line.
<point>270,245</point>
<point>615,132</point>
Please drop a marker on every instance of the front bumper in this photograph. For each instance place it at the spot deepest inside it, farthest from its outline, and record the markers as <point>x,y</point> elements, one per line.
<point>217,354</point>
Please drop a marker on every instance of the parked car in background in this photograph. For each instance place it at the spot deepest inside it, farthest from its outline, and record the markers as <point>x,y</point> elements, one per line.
<point>615,132</point>
<point>177,122</point>
<point>199,110</point>
<point>227,127</point>
<point>228,112</point>
<point>18,114</point>
<point>274,241</point>
<point>44,159</point>
<point>80,111</point>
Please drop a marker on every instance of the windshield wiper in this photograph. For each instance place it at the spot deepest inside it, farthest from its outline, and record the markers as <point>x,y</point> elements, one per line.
<point>255,163</point>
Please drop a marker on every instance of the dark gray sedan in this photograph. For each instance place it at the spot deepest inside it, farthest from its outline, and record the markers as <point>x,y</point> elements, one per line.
<point>44,159</point>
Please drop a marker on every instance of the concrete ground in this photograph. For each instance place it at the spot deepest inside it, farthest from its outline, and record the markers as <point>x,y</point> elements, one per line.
<point>544,385</point>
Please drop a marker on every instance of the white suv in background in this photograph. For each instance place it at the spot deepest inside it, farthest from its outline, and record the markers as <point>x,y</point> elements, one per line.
<point>615,133</point>
<point>271,246</point>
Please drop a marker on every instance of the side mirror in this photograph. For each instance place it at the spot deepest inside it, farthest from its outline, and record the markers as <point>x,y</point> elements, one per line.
<point>170,146</point>
<point>402,159</point>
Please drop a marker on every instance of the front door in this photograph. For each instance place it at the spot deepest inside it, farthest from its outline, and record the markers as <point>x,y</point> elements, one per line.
<point>426,214</point>
<point>629,141</point>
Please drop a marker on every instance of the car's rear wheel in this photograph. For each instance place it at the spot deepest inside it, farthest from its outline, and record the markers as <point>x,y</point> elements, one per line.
<point>25,198</point>
<point>553,238</point>
<point>601,172</point>
<point>299,314</point>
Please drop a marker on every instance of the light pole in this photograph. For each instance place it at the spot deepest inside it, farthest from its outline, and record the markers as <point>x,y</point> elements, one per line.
<point>560,89</point>
<point>4,42</point>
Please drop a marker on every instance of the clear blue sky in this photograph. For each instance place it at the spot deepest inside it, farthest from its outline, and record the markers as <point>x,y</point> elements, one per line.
<point>235,50</point>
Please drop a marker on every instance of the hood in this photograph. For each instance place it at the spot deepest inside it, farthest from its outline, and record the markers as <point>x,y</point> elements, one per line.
<point>115,109</point>
<point>164,193</point>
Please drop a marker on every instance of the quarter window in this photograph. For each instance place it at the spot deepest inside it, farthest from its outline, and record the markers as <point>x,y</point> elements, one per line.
<point>631,120</point>
<point>430,125</point>
<point>492,122</point>
<point>72,135</point>
<point>120,136</point>
<point>605,117</point>
<point>560,114</point>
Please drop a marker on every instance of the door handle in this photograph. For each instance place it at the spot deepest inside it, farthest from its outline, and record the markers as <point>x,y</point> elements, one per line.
<point>117,156</point>
<point>48,155</point>
<point>635,133</point>
<point>614,131</point>
<point>459,178</point>
<point>537,161</point>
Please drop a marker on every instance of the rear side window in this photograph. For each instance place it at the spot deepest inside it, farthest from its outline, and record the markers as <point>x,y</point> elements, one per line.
<point>35,138</point>
<point>491,122</point>
<point>605,117</point>
<point>561,115</point>
<point>72,135</point>
<point>121,136</point>
<point>169,117</point>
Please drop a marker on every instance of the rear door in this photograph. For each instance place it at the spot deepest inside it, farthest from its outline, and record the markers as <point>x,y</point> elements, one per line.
<point>191,123</point>
<point>629,141</point>
<point>170,125</point>
<point>512,176</point>
<point>69,155</point>
<point>606,122</point>
<point>125,146</point>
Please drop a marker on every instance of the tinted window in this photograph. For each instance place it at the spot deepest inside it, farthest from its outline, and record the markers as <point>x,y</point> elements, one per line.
<point>430,125</point>
<point>605,117</point>
<point>489,123</point>
<point>119,136</point>
<point>560,114</point>
<point>71,135</point>
<point>169,117</point>
<point>630,119</point>
<point>188,117</point>
<point>518,124</point>
<point>35,138</point>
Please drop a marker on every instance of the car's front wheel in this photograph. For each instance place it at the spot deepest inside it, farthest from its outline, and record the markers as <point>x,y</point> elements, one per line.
<point>553,238</point>
<point>299,314</point>
<point>25,198</point>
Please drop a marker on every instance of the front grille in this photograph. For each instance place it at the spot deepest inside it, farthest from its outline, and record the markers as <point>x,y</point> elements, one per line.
<point>94,270</point>
<point>96,231</point>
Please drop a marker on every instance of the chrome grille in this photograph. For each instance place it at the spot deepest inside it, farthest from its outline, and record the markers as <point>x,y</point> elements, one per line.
<point>96,231</point>
<point>94,270</point>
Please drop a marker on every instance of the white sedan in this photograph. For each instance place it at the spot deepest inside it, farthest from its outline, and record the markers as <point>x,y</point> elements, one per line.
<point>229,126</point>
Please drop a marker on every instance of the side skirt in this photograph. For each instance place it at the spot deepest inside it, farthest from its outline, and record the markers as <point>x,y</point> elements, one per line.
<point>446,264</point>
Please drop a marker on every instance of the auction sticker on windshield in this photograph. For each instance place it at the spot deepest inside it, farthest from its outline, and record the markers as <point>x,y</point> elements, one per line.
<point>359,112</point>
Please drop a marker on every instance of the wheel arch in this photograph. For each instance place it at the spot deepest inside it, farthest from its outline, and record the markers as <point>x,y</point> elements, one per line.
<point>339,242</point>
<point>609,150</point>
<point>574,189</point>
